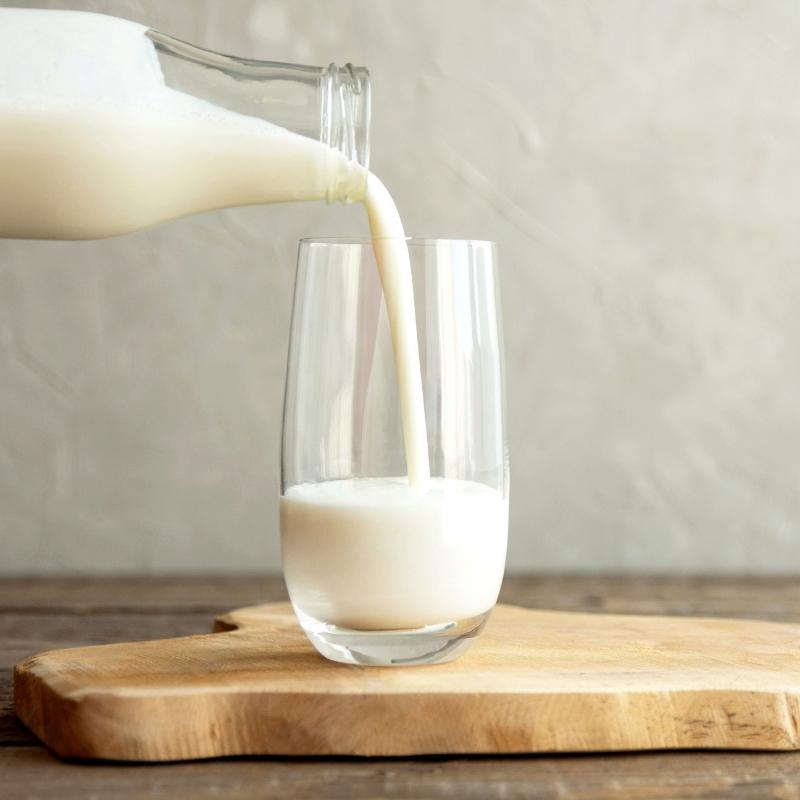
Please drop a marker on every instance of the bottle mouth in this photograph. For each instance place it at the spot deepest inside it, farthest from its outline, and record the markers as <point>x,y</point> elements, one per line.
<point>346,111</point>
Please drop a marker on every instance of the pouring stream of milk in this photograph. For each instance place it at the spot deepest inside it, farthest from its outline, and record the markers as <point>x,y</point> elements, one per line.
<point>394,266</point>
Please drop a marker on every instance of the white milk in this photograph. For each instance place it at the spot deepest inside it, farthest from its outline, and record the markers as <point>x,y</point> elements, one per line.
<point>87,174</point>
<point>377,554</point>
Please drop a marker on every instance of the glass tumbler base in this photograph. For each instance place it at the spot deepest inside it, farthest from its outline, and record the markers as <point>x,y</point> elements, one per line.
<point>433,644</point>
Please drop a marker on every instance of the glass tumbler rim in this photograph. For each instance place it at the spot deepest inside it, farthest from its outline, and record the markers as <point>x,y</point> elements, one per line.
<point>411,241</point>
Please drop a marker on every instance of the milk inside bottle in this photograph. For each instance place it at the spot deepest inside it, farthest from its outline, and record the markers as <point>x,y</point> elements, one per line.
<point>94,143</point>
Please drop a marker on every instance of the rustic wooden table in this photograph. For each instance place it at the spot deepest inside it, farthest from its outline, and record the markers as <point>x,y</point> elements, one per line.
<point>40,614</point>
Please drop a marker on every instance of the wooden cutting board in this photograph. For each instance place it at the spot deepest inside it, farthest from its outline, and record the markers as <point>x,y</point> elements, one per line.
<point>535,681</point>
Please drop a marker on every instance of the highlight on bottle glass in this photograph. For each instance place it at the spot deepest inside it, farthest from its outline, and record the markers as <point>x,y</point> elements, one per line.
<point>394,502</point>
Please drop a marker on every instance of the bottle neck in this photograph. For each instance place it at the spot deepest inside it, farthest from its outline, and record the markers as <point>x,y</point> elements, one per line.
<point>330,104</point>
<point>345,121</point>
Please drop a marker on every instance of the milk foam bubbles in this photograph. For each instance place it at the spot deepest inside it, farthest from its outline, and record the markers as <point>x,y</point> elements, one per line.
<point>379,554</point>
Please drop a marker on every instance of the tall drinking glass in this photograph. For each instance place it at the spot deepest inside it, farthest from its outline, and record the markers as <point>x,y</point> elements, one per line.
<point>380,571</point>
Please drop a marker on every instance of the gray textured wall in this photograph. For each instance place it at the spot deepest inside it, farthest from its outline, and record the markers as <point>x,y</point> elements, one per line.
<point>639,165</point>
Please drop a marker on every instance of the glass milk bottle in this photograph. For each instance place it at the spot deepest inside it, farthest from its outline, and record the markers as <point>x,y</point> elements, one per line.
<point>107,127</point>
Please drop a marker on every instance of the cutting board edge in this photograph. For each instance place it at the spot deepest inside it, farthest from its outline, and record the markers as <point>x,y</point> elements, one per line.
<point>95,720</point>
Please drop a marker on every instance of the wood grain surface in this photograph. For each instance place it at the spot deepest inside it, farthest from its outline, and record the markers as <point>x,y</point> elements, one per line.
<point>535,681</point>
<point>39,614</point>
